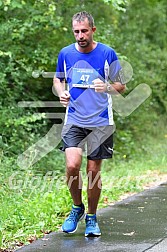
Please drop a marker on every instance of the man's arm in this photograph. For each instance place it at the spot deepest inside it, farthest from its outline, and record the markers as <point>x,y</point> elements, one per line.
<point>63,94</point>
<point>115,88</point>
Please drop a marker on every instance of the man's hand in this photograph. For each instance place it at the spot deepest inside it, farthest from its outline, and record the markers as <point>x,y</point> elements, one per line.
<point>64,98</point>
<point>100,86</point>
<point>114,88</point>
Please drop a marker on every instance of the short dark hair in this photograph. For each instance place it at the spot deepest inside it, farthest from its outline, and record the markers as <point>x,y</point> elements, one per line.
<point>81,16</point>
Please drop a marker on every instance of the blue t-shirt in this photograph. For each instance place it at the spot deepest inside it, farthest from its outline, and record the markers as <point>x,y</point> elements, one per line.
<point>87,108</point>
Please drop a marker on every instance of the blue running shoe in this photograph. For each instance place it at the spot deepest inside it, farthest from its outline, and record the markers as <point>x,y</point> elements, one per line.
<point>71,223</point>
<point>92,227</point>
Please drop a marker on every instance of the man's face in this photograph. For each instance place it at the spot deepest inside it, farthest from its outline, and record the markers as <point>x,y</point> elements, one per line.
<point>83,33</point>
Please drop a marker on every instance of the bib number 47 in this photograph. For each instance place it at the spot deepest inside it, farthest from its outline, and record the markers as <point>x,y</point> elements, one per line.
<point>85,77</point>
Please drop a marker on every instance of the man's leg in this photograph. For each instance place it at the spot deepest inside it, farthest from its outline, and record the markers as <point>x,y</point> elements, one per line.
<point>74,180</point>
<point>93,190</point>
<point>73,164</point>
<point>94,184</point>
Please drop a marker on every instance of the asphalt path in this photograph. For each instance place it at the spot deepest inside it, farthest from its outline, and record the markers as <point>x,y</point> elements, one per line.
<point>136,224</point>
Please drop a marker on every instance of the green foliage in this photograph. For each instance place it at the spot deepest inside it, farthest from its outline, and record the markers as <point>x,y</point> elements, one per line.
<point>143,40</point>
<point>15,125</point>
<point>25,50</point>
<point>33,203</point>
<point>32,33</point>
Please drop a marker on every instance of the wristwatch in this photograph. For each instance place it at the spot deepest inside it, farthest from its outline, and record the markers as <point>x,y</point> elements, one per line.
<point>108,87</point>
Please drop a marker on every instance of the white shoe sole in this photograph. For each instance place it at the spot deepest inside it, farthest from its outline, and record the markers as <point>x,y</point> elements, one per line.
<point>92,234</point>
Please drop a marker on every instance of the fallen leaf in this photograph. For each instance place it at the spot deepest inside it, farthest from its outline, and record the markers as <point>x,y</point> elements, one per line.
<point>129,234</point>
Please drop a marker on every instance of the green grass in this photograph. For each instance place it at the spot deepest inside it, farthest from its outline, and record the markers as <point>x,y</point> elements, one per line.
<point>35,201</point>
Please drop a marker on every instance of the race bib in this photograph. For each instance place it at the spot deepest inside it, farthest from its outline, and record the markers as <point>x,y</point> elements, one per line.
<point>84,76</point>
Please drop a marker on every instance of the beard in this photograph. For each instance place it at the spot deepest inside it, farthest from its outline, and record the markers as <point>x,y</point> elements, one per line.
<point>83,43</point>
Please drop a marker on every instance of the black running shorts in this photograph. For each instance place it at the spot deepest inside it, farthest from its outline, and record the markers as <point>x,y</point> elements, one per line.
<point>97,140</point>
